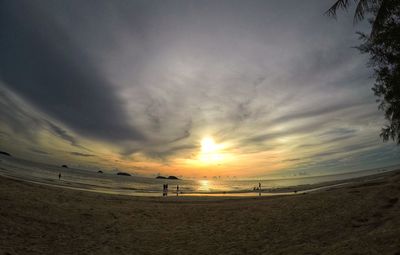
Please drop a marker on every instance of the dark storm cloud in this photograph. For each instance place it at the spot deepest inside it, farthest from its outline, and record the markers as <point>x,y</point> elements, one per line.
<point>40,62</point>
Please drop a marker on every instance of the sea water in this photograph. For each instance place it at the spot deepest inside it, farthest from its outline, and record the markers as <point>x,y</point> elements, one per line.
<point>146,186</point>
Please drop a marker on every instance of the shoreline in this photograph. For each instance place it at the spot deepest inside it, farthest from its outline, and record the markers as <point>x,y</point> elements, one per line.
<point>283,191</point>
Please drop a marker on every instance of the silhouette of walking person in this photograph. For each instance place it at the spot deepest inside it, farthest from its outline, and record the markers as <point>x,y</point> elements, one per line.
<point>259,188</point>
<point>177,190</point>
<point>59,176</point>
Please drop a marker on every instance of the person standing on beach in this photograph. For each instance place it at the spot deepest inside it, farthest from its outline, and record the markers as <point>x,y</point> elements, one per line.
<point>166,189</point>
<point>163,191</point>
<point>59,176</point>
<point>177,190</point>
<point>259,188</point>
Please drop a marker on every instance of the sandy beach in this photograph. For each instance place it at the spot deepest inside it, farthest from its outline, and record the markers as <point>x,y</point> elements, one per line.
<point>360,218</point>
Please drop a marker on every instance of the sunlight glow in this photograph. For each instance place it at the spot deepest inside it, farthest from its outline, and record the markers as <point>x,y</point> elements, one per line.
<point>208,145</point>
<point>210,151</point>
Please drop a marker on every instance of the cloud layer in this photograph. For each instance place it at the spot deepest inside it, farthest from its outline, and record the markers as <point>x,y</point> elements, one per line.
<point>140,83</point>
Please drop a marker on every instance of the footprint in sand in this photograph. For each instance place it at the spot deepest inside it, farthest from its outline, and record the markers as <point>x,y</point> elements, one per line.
<point>359,222</point>
<point>391,203</point>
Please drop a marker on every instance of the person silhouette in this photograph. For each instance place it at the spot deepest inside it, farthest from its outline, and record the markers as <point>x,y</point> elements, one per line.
<point>177,190</point>
<point>59,176</point>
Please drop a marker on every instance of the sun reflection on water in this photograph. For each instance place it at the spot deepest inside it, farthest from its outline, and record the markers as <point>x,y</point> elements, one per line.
<point>204,185</point>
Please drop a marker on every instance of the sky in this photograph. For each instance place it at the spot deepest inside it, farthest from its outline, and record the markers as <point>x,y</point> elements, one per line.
<point>188,88</point>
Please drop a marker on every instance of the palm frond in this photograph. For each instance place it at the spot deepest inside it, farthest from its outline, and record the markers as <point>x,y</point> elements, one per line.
<point>340,4</point>
<point>381,9</point>
<point>381,15</point>
<point>362,7</point>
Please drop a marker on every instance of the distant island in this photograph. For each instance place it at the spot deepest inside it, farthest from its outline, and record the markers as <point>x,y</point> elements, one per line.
<point>169,177</point>
<point>65,166</point>
<point>124,174</point>
<point>100,172</point>
<point>5,153</point>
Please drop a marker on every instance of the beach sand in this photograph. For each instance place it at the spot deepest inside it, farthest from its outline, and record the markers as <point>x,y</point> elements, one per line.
<point>359,218</point>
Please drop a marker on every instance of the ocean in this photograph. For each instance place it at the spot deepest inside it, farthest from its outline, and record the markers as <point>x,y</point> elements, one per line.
<point>144,186</point>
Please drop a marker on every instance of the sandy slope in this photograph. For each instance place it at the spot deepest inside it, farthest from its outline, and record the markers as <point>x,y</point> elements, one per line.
<point>361,218</point>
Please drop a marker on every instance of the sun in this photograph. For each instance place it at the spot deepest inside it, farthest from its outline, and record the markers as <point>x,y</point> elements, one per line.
<point>210,151</point>
<point>208,145</point>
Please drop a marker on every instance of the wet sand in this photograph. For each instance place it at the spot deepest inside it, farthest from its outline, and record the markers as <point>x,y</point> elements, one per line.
<point>359,218</point>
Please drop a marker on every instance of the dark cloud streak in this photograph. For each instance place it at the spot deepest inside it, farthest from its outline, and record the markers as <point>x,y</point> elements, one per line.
<point>74,153</point>
<point>42,64</point>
